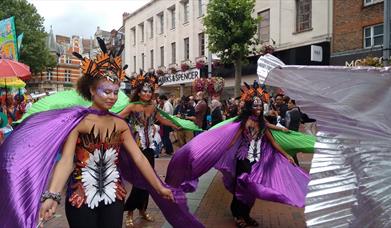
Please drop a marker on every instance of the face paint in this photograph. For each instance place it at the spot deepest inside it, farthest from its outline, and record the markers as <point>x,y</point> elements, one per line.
<point>146,92</point>
<point>257,102</point>
<point>106,88</point>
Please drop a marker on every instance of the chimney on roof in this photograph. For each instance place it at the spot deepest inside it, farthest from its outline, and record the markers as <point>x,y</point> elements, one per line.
<point>125,15</point>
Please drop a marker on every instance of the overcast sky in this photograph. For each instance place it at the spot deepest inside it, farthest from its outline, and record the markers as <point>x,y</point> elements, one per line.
<point>81,17</point>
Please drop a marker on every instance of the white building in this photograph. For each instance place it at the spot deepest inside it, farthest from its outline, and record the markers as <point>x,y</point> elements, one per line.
<point>165,33</point>
<point>300,30</point>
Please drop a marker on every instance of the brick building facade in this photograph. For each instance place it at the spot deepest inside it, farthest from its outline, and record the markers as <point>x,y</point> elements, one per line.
<point>357,30</point>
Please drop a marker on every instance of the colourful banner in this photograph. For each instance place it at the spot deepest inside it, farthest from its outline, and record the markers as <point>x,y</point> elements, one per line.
<point>8,39</point>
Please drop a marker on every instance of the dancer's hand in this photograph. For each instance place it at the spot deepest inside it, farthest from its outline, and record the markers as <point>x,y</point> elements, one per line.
<point>285,129</point>
<point>291,160</point>
<point>48,209</point>
<point>176,128</point>
<point>166,194</point>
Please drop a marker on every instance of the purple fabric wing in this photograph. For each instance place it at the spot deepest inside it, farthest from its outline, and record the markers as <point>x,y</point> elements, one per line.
<point>199,155</point>
<point>177,214</point>
<point>27,158</point>
<point>274,178</point>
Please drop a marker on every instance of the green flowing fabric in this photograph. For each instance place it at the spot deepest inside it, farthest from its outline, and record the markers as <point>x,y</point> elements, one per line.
<point>67,99</point>
<point>71,98</point>
<point>292,142</point>
<point>184,124</point>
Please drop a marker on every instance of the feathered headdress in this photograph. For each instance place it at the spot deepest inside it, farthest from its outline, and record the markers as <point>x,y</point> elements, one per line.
<point>107,64</point>
<point>141,80</point>
<point>254,91</point>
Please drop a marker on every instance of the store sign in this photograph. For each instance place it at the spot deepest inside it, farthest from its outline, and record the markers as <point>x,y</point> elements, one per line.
<point>316,53</point>
<point>180,77</point>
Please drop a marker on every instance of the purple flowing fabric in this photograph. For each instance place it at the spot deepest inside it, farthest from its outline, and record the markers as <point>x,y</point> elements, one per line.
<point>272,178</point>
<point>29,154</point>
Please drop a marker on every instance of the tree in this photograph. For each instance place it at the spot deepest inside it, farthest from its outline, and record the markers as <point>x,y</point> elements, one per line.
<point>34,51</point>
<point>231,29</point>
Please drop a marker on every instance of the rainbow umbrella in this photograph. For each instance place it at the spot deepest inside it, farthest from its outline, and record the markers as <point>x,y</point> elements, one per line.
<point>12,83</point>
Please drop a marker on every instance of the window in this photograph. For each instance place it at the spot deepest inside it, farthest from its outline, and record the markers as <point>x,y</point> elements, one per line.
<point>67,75</point>
<point>201,41</point>
<point>152,58</point>
<point>150,28</point>
<point>201,8</point>
<point>373,36</point>
<point>172,14</point>
<point>371,2</point>
<point>141,29</point>
<point>133,32</point>
<point>185,11</point>
<point>187,48</point>
<point>161,23</point>
<point>142,61</point>
<point>162,56</point>
<point>49,75</point>
<point>68,60</point>
<point>264,26</point>
<point>173,52</point>
<point>303,15</point>
<point>134,63</point>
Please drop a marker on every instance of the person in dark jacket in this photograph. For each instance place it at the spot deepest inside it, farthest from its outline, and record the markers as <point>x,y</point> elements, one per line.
<point>215,109</point>
<point>293,116</point>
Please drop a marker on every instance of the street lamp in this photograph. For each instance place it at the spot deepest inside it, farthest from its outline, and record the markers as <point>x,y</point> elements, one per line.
<point>58,58</point>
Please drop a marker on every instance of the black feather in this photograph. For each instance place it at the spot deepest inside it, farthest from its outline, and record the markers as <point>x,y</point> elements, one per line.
<point>102,44</point>
<point>77,55</point>
<point>120,50</point>
<point>125,67</point>
<point>247,86</point>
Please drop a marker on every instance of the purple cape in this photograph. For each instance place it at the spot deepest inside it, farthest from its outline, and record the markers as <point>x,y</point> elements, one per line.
<point>28,156</point>
<point>272,178</point>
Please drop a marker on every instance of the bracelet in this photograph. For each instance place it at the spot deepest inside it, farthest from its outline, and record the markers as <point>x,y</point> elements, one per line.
<point>50,195</point>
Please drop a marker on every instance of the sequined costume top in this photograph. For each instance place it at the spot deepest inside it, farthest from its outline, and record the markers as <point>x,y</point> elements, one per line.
<point>144,129</point>
<point>251,145</point>
<point>96,177</point>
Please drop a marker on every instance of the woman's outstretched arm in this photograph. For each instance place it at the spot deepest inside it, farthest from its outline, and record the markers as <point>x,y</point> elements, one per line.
<point>126,111</point>
<point>278,147</point>
<point>61,174</point>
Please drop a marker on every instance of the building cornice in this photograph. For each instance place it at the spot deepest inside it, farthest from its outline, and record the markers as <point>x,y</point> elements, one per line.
<point>314,40</point>
<point>139,10</point>
<point>355,51</point>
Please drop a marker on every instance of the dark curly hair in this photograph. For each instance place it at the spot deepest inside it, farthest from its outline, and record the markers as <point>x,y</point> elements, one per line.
<point>85,83</point>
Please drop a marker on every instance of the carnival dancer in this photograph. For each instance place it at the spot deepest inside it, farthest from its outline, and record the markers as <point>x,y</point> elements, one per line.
<point>142,115</point>
<point>252,163</point>
<point>98,153</point>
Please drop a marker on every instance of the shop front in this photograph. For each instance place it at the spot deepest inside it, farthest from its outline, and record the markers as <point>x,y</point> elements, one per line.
<point>178,84</point>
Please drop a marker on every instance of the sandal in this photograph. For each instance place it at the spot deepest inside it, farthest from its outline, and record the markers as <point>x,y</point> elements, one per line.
<point>147,217</point>
<point>240,222</point>
<point>129,222</point>
<point>250,221</point>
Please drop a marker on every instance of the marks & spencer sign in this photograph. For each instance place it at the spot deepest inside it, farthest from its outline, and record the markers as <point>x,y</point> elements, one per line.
<point>180,77</point>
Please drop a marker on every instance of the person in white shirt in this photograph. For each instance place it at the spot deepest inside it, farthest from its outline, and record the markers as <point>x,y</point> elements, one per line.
<point>168,108</point>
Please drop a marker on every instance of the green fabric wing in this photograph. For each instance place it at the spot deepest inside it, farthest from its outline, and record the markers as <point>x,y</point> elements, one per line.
<point>227,121</point>
<point>184,124</point>
<point>293,142</point>
<point>67,99</point>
